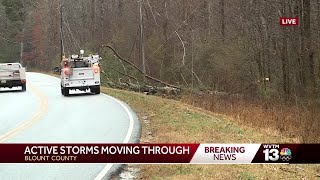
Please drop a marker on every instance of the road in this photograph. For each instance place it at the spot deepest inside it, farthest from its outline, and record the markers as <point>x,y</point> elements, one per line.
<point>43,115</point>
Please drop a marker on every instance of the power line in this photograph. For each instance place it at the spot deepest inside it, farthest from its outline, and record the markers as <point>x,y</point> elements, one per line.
<point>13,42</point>
<point>61,31</point>
<point>72,35</point>
<point>142,39</point>
<point>174,32</point>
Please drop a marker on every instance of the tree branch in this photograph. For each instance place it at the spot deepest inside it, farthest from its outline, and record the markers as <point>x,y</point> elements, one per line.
<point>145,75</point>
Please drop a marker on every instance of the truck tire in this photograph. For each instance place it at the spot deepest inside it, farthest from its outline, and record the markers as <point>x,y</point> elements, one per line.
<point>95,89</point>
<point>62,90</point>
<point>98,90</point>
<point>24,87</point>
<point>66,91</point>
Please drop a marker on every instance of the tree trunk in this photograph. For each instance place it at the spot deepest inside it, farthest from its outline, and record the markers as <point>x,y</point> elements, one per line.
<point>222,6</point>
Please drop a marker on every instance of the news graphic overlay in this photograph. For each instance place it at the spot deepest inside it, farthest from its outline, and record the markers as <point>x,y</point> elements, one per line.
<point>97,153</point>
<point>288,153</point>
<point>225,153</point>
<point>161,153</point>
<point>285,21</point>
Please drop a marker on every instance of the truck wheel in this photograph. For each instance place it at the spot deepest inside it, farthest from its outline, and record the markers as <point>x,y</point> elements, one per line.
<point>62,90</point>
<point>95,89</point>
<point>24,87</point>
<point>98,90</point>
<point>66,91</point>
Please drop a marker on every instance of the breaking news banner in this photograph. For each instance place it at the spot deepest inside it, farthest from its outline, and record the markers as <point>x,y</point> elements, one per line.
<point>161,153</point>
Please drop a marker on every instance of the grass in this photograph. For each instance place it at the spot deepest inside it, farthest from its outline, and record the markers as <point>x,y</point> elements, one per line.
<point>170,121</point>
<point>246,176</point>
<point>298,121</point>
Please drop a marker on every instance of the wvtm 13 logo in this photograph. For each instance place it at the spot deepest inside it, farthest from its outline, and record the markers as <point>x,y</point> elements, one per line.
<point>272,153</point>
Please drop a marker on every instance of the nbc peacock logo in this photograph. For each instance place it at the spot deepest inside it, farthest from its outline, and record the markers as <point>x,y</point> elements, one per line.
<point>285,154</point>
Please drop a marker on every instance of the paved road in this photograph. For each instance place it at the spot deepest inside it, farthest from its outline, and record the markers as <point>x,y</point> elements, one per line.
<point>43,115</point>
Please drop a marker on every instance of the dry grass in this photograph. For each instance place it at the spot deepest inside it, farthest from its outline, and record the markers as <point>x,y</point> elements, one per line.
<point>169,121</point>
<point>297,121</point>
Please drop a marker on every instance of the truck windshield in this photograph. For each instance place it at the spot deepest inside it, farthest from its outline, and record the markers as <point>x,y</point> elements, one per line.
<point>4,67</point>
<point>79,64</point>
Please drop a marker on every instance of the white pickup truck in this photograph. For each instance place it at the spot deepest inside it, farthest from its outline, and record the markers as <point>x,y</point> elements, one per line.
<point>82,73</point>
<point>12,75</point>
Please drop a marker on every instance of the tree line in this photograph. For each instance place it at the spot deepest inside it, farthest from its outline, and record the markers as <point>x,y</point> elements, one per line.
<point>231,46</point>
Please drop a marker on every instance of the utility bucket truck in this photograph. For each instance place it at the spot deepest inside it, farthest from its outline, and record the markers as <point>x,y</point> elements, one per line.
<point>79,72</point>
<point>12,75</point>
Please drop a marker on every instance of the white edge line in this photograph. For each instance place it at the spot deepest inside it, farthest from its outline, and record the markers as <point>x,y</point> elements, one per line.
<point>126,140</point>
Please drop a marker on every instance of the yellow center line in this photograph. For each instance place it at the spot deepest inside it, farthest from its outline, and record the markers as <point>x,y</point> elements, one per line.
<point>42,109</point>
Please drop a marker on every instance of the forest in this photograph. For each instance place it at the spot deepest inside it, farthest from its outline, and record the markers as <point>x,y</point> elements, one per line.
<point>227,56</point>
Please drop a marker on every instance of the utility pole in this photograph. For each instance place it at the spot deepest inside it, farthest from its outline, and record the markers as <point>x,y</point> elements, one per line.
<point>61,32</point>
<point>223,25</point>
<point>22,34</point>
<point>142,39</point>
<point>22,46</point>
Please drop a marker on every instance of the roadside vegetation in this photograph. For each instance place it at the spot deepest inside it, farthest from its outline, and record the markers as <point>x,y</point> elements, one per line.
<point>297,120</point>
<point>170,121</point>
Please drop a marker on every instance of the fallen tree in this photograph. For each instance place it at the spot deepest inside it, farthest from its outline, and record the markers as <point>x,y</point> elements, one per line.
<point>139,70</point>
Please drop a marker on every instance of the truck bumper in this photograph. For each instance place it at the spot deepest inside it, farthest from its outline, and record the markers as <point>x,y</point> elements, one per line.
<point>80,84</point>
<point>11,83</point>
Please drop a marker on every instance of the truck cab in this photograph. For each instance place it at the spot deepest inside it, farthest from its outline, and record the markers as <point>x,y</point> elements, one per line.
<point>12,75</point>
<point>80,73</point>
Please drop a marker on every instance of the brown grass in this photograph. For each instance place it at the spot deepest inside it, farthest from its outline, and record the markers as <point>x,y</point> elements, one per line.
<point>171,121</point>
<point>295,120</point>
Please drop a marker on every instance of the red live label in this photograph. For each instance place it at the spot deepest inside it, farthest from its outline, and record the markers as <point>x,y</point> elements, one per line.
<point>289,21</point>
